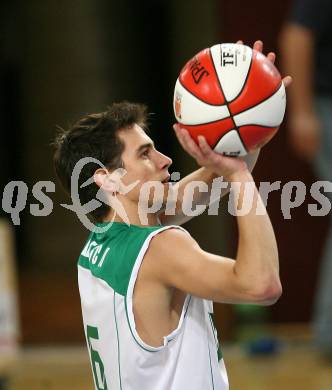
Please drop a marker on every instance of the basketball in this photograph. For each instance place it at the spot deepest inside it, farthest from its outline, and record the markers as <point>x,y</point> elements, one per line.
<point>231,94</point>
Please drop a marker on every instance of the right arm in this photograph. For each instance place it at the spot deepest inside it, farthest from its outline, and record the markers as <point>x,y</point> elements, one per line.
<point>297,48</point>
<point>297,44</point>
<point>252,278</point>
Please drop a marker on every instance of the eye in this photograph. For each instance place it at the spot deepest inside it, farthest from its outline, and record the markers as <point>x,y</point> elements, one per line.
<point>145,153</point>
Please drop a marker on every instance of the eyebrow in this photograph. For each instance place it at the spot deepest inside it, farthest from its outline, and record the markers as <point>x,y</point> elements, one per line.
<point>142,147</point>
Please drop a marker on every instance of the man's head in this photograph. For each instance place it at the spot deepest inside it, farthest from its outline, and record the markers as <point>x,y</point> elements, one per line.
<point>117,139</point>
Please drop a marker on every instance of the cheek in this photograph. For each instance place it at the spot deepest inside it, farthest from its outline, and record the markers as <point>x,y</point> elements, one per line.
<point>139,170</point>
<point>127,182</point>
<point>134,174</point>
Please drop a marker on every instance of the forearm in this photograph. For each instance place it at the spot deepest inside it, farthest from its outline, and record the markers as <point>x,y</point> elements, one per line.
<point>201,198</point>
<point>257,264</point>
<point>178,217</point>
<point>202,175</point>
<point>297,48</point>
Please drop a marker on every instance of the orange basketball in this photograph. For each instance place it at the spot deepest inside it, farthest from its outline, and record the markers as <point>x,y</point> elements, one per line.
<point>231,94</point>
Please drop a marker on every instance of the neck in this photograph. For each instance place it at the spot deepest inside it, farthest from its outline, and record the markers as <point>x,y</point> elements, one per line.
<point>129,212</point>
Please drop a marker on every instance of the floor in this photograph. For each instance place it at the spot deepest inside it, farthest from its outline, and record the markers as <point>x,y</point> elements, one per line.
<point>296,366</point>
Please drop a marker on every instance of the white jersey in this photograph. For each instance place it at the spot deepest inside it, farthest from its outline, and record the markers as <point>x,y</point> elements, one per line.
<point>190,356</point>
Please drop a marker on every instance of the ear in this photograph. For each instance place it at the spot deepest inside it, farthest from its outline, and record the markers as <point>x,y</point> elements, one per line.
<point>105,181</point>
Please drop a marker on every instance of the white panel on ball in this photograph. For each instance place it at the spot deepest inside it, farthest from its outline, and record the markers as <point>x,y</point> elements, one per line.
<point>268,113</point>
<point>231,145</point>
<point>232,63</point>
<point>191,111</point>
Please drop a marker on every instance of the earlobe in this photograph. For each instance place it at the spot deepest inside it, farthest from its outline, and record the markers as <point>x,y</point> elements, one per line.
<point>99,177</point>
<point>103,180</point>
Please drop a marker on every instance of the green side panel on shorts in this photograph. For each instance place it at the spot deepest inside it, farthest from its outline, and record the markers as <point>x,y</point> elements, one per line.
<point>118,248</point>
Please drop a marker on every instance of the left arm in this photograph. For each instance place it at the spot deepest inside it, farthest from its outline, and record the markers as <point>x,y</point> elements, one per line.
<point>203,174</point>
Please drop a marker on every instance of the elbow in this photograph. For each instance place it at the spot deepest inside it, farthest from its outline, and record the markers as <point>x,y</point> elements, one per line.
<point>268,293</point>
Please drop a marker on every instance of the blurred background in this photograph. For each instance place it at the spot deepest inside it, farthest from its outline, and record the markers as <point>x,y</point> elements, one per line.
<point>62,59</point>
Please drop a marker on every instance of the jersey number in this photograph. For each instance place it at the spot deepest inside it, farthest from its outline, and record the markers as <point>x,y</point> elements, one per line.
<point>97,363</point>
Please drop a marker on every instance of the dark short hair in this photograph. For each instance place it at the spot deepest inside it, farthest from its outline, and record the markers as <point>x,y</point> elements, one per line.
<point>95,135</point>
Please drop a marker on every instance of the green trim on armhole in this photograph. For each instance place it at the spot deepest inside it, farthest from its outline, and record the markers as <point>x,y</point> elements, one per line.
<point>212,379</point>
<point>156,349</point>
<point>117,336</point>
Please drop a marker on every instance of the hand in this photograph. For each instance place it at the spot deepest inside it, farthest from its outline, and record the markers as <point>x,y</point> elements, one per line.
<point>304,134</point>
<point>206,157</point>
<point>258,45</point>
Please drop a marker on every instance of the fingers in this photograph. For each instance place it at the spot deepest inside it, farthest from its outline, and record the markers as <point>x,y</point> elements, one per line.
<point>205,147</point>
<point>272,57</point>
<point>192,147</point>
<point>287,81</point>
<point>258,45</point>
<point>209,154</point>
<point>201,152</point>
<point>188,143</point>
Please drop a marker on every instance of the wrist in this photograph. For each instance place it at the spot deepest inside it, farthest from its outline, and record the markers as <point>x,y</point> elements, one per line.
<point>209,172</point>
<point>243,176</point>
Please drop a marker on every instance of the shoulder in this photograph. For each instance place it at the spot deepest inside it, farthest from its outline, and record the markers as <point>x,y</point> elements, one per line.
<point>172,251</point>
<point>171,240</point>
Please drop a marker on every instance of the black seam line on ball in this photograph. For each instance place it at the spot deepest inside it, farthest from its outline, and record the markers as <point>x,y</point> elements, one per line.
<point>204,101</point>
<point>216,73</point>
<point>229,102</point>
<point>262,101</point>
<point>255,124</point>
<point>241,140</point>
<point>245,81</point>
<point>239,134</point>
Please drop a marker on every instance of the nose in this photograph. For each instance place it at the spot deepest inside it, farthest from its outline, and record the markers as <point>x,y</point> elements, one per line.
<point>164,161</point>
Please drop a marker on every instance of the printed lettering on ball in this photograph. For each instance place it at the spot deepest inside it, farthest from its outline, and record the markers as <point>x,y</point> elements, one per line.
<point>231,94</point>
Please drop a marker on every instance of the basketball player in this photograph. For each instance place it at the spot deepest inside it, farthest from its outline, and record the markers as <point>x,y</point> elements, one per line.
<point>147,289</point>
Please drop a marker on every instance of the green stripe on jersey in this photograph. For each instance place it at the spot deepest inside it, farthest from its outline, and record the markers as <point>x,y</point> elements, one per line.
<point>111,256</point>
